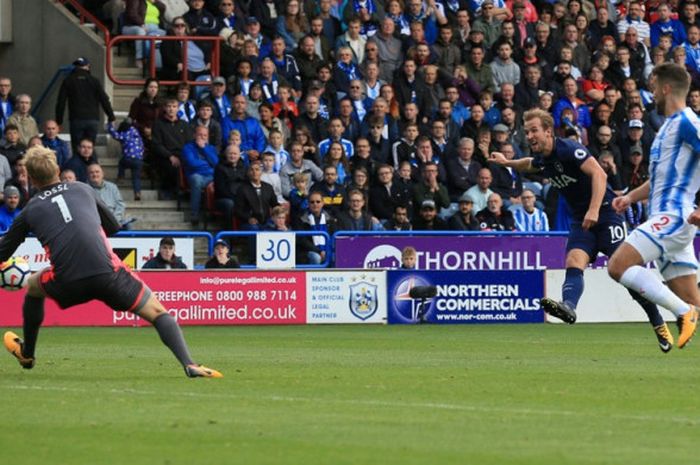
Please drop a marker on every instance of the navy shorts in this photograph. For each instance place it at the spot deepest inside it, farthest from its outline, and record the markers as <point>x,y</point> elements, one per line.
<point>120,290</point>
<point>605,237</point>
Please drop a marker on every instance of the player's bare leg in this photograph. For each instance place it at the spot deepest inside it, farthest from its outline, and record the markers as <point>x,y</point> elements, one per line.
<point>680,297</point>
<point>171,335</point>
<point>571,290</point>
<point>32,317</point>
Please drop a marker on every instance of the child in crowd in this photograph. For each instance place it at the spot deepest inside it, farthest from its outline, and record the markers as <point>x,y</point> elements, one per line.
<point>408,258</point>
<point>132,153</point>
<point>276,147</point>
<point>299,195</point>
<point>492,115</point>
<point>270,176</point>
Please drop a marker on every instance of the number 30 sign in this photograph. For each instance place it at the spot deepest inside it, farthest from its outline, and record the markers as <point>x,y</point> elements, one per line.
<point>275,250</point>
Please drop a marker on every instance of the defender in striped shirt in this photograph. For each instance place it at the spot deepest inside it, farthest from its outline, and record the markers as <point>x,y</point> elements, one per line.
<point>667,236</point>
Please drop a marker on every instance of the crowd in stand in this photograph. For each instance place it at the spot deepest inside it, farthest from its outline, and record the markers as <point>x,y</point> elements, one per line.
<point>381,114</point>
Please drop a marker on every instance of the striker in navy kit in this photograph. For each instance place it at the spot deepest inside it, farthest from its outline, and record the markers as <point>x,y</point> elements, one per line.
<point>72,224</point>
<point>595,226</point>
<point>563,168</point>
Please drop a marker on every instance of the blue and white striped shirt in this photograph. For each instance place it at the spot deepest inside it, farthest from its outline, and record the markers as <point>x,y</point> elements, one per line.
<point>674,165</point>
<point>530,222</point>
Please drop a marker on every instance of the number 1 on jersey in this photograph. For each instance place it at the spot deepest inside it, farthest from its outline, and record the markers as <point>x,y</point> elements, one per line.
<point>63,206</point>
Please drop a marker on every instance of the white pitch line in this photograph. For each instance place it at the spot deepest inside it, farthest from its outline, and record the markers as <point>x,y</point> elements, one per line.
<point>379,403</point>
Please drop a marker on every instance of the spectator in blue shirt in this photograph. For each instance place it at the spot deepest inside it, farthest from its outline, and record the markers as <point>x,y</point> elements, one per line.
<point>252,136</point>
<point>199,158</point>
<point>10,208</point>
<point>51,141</point>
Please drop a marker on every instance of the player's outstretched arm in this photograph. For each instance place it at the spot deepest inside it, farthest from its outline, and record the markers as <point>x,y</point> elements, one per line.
<point>598,186</point>
<point>521,164</point>
<point>622,203</point>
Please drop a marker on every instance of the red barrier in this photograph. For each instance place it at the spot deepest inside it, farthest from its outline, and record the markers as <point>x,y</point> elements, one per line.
<point>193,298</point>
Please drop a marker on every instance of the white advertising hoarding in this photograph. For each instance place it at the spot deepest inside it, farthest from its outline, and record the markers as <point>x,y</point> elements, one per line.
<point>344,296</point>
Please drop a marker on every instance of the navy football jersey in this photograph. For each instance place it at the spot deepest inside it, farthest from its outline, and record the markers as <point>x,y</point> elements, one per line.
<point>68,220</point>
<point>563,168</point>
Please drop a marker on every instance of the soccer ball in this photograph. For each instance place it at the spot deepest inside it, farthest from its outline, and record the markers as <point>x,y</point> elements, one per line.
<point>14,274</point>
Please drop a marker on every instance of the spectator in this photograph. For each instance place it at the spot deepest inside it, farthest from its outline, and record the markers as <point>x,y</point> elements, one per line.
<point>386,195</point>
<point>408,258</point>
<point>227,21</point>
<point>666,25</point>
<point>186,110</point>
<point>205,113</point>
<point>527,216</point>
<point>478,70</point>
<point>464,219</point>
<point>170,135</point>
<point>22,182</point>
<point>405,149</point>
<point>84,95</point>
<point>221,258</point>
<point>109,193</point>
<point>22,119</point>
<point>292,24</point>
<point>607,162</point>
<point>199,158</point>
<point>12,147</point>
<point>430,188</point>
<point>144,17</point>
<point>332,191</point>
<point>495,217</point>
<point>270,176</point>
<point>506,181</point>
<point>312,119</point>
<point>389,48</point>
<point>481,191</point>
<point>165,259</point>
<point>635,19</point>
<point>399,220</point>
<point>51,141</point>
<point>86,157</point>
<point>335,132</point>
<point>570,100</point>
<point>10,207</point>
<point>427,219</point>
<point>145,109</point>
<point>299,195</point>
<point>229,175</point>
<point>253,139</point>
<point>462,171</point>
<point>503,68</point>
<point>7,101</point>
<point>5,173</point>
<point>132,153</point>
<point>317,218</point>
<point>278,220</point>
<point>306,56</point>
<point>285,64</point>
<point>198,57</point>
<point>298,164</point>
<point>355,217</point>
<point>254,200</point>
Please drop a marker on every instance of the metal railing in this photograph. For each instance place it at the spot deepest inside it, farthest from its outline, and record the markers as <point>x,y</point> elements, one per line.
<point>192,234</point>
<point>63,70</point>
<point>152,70</point>
<point>85,16</point>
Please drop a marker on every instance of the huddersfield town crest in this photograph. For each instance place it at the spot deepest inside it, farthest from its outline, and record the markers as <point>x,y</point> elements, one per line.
<point>363,300</point>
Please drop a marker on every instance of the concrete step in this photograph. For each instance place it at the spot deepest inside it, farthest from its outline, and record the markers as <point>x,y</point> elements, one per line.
<point>122,102</point>
<point>150,204</point>
<point>147,196</point>
<point>125,60</point>
<point>120,91</point>
<point>157,216</point>
<point>128,72</point>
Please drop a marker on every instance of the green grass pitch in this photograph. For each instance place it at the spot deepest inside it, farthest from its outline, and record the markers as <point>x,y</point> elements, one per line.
<point>532,394</point>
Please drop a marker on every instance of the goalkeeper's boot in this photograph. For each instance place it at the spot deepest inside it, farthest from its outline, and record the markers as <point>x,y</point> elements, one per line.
<point>14,345</point>
<point>687,323</point>
<point>559,310</point>
<point>665,338</point>
<point>200,371</point>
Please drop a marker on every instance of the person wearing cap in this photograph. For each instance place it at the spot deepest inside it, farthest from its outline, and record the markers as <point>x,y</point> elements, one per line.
<point>84,95</point>
<point>427,218</point>
<point>634,136</point>
<point>10,207</point>
<point>488,21</point>
<point>464,218</point>
<point>524,18</point>
<point>165,259</point>
<point>221,258</point>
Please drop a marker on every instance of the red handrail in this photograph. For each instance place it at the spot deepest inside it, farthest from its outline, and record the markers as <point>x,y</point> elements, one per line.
<point>84,15</point>
<point>215,58</point>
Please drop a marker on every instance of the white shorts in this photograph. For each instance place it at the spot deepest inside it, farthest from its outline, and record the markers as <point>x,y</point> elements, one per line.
<point>667,240</point>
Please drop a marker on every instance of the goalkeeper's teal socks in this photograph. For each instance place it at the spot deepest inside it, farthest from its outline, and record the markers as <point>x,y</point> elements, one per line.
<point>572,289</point>
<point>171,335</point>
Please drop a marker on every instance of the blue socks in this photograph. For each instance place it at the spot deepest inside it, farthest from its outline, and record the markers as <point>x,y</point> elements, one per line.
<point>572,289</point>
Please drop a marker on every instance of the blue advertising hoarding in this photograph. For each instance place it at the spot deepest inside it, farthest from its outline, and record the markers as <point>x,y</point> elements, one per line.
<point>466,297</point>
